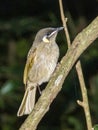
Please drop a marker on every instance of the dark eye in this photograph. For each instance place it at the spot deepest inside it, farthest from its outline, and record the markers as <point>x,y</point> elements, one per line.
<point>48,33</point>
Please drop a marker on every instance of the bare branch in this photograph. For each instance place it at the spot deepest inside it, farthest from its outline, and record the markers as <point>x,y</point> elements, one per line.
<point>85,103</point>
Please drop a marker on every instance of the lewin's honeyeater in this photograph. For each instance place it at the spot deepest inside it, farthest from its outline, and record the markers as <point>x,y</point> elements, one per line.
<point>41,62</point>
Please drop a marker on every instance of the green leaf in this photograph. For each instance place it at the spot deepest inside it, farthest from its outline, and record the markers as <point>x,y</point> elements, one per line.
<point>96,127</point>
<point>7,87</point>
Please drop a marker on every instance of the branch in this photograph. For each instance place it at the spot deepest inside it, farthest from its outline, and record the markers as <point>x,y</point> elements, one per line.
<point>64,21</point>
<point>85,102</point>
<point>81,42</point>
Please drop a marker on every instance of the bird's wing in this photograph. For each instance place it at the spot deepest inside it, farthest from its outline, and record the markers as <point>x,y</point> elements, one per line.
<point>29,64</point>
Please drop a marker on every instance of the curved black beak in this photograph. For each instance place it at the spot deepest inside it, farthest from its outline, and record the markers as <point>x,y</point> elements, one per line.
<point>56,30</point>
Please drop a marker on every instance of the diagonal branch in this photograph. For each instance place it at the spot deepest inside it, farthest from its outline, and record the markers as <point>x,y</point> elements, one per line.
<point>85,103</point>
<point>79,45</point>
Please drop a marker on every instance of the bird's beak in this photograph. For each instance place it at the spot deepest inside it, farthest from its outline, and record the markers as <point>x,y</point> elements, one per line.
<point>59,28</point>
<point>56,30</point>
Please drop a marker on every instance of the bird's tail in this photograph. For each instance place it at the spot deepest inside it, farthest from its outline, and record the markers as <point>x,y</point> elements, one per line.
<point>28,102</point>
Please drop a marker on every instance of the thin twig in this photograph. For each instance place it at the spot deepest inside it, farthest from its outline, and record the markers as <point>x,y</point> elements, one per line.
<point>84,103</point>
<point>64,20</point>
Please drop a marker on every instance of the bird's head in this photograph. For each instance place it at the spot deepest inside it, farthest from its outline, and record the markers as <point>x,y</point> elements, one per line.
<point>47,35</point>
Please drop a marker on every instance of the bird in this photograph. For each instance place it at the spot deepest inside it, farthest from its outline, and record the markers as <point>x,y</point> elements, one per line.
<point>41,62</point>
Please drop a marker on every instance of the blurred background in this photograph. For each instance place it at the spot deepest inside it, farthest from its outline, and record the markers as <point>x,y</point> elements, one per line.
<point>19,22</point>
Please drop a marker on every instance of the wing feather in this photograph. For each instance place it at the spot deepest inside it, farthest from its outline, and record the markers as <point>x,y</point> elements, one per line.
<point>29,64</point>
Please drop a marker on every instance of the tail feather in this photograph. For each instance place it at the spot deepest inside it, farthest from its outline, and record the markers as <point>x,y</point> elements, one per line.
<point>28,102</point>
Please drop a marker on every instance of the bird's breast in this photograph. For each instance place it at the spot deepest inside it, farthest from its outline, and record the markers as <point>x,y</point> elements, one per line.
<point>44,63</point>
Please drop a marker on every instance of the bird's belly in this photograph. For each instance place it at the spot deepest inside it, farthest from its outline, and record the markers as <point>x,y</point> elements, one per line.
<point>43,68</point>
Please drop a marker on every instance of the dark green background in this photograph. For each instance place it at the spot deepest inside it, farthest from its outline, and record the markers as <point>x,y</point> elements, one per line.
<point>19,22</point>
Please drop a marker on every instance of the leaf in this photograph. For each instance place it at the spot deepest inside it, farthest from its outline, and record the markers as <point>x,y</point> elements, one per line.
<point>7,87</point>
<point>96,127</point>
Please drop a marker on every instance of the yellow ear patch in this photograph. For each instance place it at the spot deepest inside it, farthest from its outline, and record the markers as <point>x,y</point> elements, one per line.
<point>45,39</point>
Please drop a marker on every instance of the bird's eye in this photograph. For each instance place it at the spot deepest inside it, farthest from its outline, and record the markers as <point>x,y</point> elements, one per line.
<point>48,33</point>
